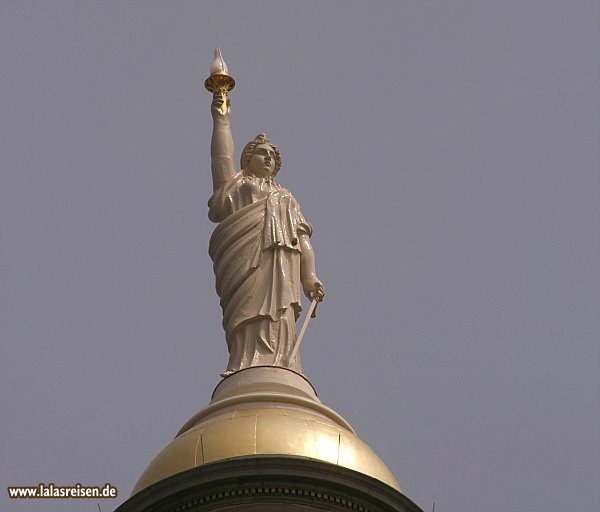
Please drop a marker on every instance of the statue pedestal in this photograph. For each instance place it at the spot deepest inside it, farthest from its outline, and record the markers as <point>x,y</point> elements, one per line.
<point>265,410</point>
<point>267,388</point>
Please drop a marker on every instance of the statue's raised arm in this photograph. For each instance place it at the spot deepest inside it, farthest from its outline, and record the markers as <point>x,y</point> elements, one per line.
<point>260,249</point>
<point>221,147</point>
<point>222,152</point>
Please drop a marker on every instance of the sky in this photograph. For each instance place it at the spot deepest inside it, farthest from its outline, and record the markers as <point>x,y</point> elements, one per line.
<point>447,156</point>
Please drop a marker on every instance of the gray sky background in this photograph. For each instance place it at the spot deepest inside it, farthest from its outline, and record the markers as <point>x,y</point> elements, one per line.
<point>446,153</point>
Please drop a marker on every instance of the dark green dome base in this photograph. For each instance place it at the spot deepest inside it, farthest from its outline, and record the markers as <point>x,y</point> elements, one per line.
<point>269,484</point>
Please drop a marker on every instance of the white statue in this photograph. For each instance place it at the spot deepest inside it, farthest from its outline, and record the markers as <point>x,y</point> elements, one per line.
<point>261,249</point>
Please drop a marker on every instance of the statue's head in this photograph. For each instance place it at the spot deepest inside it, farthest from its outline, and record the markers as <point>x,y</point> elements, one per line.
<point>260,158</point>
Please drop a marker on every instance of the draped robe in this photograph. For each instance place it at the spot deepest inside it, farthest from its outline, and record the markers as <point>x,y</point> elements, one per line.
<point>256,253</point>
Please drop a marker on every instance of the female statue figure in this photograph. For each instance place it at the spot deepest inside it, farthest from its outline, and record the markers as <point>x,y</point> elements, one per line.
<point>260,249</point>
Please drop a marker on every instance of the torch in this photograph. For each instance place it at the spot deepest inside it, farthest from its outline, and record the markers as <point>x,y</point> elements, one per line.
<point>220,82</point>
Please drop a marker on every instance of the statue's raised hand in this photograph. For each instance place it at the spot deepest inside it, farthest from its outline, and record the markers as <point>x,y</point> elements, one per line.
<point>220,106</point>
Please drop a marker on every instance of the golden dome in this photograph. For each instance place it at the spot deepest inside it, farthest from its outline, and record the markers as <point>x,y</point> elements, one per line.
<point>265,411</point>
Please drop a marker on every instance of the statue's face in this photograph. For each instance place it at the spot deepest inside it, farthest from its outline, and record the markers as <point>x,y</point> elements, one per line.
<point>262,161</point>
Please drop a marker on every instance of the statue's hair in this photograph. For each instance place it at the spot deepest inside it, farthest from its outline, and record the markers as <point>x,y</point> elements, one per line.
<point>249,148</point>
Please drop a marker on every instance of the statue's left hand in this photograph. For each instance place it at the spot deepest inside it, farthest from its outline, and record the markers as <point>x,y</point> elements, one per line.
<point>313,288</point>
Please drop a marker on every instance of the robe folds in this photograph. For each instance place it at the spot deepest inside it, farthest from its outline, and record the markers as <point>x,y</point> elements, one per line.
<point>256,254</point>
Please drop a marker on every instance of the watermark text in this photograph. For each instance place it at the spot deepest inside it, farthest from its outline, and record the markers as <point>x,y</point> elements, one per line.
<point>55,491</point>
